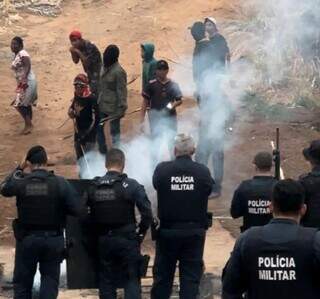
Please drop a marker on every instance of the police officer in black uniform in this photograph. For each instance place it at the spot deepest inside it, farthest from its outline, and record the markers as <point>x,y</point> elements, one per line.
<point>43,201</point>
<point>183,187</point>
<point>252,198</point>
<point>278,260</point>
<point>311,183</point>
<point>112,202</point>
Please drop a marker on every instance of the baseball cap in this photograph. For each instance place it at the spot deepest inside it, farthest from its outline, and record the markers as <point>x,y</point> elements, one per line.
<point>313,151</point>
<point>75,34</point>
<point>211,19</point>
<point>162,65</point>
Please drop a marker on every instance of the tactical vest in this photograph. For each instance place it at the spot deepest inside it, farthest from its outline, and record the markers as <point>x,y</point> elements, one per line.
<point>312,186</point>
<point>110,206</point>
<point>282,270</point>
<point>39,203</point>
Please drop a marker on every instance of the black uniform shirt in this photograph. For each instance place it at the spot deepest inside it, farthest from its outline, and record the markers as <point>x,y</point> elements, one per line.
<point>219,51</point>
<point>134,192</point>
<point>311,183</point>
<point>11,186</point>
<point>279,260</point>
<point>251,201</point>
<point>159,95</point>
<point>183,187</point>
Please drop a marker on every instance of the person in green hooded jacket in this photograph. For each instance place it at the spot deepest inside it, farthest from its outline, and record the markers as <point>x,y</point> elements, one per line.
<point>149,64</point>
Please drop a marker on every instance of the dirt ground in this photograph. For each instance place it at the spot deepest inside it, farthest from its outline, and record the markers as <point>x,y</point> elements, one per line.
<point>127,24</point>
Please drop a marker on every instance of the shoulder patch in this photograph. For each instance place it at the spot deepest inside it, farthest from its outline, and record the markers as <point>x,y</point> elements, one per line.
<point>18,175</point>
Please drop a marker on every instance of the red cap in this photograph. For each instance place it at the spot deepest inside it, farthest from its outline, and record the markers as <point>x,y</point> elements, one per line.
<point>75,34</point>
<point>82,79</point>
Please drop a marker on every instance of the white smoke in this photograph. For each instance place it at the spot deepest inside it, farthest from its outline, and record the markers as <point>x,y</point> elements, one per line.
<point>283,38</point>
<point>37,279</point>
<point>91,165</point>
<point>143,153</point>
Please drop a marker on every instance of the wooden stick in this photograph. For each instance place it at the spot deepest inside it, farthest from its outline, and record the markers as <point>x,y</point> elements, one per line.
<point>134,79</point>
<point>134,111</point>
<point>64,123</point>
<point>67,137</point>
<point>111,118</point>
<point>176,62</point>
<point>5,229</point>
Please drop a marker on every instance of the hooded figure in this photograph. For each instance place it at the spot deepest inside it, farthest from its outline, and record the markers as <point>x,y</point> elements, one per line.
<point>113,85</point>
<point>83,112</point>
<point>149,64</point>
<point>201,54</point>
<point>113,95</point>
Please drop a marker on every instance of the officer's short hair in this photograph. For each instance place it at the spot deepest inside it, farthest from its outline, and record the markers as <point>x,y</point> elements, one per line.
<point>184,144</point>
<point>263,161</point>
<point>37,155</point>
<point>288,196</point>
<point>115,156</point>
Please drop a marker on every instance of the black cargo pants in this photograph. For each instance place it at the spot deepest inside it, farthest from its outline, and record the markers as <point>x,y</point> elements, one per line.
<point>45,249</point>
<point>189,252</point>
<point>119,260</point>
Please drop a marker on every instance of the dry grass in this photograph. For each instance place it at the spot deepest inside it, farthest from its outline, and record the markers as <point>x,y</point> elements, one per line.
<point>283,74</point>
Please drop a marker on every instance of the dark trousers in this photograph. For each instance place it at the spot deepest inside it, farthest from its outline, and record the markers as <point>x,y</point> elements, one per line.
<point>115,131</point>
<point>119,258</point>
<point>213,147</point>
<point>189,252</point>
<point>32,250</point>
<point>26,111</point>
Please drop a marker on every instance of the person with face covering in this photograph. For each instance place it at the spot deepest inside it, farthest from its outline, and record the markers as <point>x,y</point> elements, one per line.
<point>201,56</point>
<point>112,100</point>
<point>83,112</point>
<point>149,64</point>
<point>90,57</point>
<point>219,47</point>
<point>26,91</point>
<point>213,103</point>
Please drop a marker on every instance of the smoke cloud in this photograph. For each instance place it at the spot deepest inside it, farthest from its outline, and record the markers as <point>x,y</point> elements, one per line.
<point>283,30</point>
<point>283,39</point>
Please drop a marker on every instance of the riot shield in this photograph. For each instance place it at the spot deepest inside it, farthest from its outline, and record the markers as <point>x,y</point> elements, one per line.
<point>81,241</point>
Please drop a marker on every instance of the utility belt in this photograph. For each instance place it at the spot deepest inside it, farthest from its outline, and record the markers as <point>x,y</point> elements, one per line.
<point>122,230</point>
<point>183,228</point>
<point>181,225</point>
<point>21,230</point>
